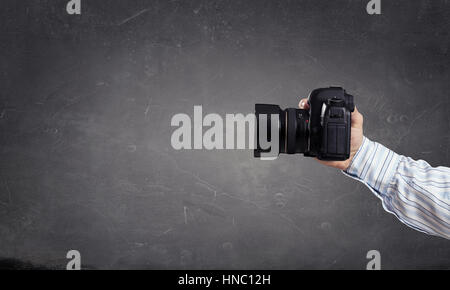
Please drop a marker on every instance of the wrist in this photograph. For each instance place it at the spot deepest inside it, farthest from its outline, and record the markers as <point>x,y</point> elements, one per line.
<point>374,164</point>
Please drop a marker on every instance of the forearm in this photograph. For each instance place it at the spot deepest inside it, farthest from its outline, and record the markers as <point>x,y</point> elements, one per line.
<point>415,192</point>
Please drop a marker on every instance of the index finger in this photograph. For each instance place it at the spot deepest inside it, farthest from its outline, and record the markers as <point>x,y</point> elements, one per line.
<point>303,104</point>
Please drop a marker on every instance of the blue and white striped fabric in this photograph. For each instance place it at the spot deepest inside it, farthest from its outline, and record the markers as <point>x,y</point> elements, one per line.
<point>416,193</point>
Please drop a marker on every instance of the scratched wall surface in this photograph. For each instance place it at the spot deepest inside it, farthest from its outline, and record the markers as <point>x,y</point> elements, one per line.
<point>85,109</point>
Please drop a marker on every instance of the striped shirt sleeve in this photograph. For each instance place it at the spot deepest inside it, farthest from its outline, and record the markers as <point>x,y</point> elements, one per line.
<point>416,193</point>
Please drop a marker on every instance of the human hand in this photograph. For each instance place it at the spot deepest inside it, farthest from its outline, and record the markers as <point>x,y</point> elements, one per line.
<point>356,137</point>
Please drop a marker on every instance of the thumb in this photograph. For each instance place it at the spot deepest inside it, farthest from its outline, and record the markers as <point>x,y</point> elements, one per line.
<point>357,119</point>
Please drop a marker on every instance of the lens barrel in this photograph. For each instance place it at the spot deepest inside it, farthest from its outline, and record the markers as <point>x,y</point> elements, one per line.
<point>270,111</point>
<point>298,131</point>
<point>293,129</point>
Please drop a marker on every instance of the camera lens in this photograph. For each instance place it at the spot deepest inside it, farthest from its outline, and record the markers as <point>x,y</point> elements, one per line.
<point>296,131</point>
<point>293,132</point>
<point>264,130</point>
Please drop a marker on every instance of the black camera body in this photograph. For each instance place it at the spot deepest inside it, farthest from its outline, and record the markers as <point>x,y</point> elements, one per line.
<point>323,131</point>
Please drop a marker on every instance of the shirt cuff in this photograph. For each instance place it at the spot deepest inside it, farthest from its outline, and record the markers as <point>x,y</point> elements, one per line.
<point>375,165</point>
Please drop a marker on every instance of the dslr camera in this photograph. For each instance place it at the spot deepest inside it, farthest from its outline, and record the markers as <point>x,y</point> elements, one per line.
<point>322,131</point>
